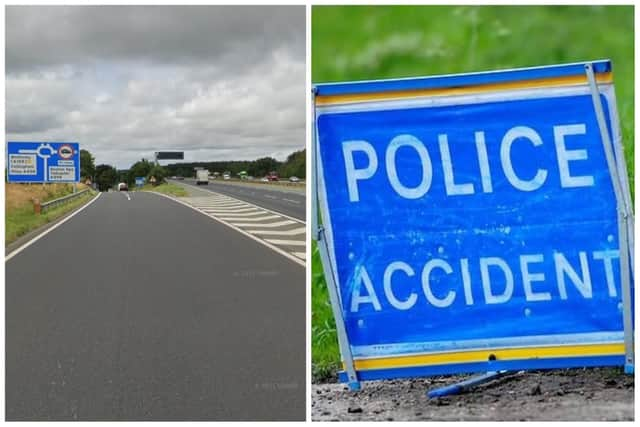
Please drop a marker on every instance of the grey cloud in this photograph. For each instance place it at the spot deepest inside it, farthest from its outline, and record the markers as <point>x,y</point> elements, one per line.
<point>217,82</point>
<point>54,35</point>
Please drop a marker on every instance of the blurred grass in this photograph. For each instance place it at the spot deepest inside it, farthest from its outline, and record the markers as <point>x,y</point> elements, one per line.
<point>324,343</point>
<point>21,220</point>
<point>374,42</point>
<point>166,188</point>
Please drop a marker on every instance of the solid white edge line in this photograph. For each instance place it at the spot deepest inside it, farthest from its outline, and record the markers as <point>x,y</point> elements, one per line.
<point>270,246</point>
<point>257,206</point>
<point>49,230</point>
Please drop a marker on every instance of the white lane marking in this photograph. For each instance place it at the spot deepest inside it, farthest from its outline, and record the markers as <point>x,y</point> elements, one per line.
<point>213,193</point>
<point>228,224</point>
<point>269,225</point>
<point>128,197</point>
<point>221,204</point>
<point>300,255</point>
<point>244,215</point>
<point>297,202</point>
<point>226,211</point>
<point>212,199</point>
<point>49,230</point>
<point>293,232</point>
<point>258,219</point>
<point>270,197</point>
<point>287,242</point>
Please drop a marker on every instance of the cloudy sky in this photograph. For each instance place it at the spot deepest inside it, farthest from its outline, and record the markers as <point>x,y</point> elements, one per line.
<point>218,82</point>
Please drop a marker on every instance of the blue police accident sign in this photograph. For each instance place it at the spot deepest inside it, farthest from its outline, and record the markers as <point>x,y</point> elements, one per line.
<point>471,221</point>
<point>43,162</point>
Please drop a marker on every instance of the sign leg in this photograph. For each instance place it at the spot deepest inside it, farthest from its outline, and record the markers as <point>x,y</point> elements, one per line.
<point>318,234</point>
<point>623,216</point>
<point>458,388</point>
<point>343,341</point>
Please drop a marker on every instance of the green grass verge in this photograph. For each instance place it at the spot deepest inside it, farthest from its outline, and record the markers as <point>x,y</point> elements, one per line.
<point>324,344</point>
<point>374,42</point>
<point>166,188</point>
<point>20,221</point>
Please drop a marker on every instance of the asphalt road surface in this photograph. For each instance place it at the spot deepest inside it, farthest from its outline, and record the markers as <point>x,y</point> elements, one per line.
<point>284,201</point>
<point>145,309</point>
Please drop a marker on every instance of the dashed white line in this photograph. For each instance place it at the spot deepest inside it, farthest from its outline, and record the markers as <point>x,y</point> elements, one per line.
<point>270,197</point>
<point>297,202</point>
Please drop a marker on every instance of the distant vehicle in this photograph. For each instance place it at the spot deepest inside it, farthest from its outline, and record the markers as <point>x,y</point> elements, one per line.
<point>294,179</point>
<point>123,186</point>
<point>226,176</point>
<point>174,177</point>
<point>202,177</point>
<point>272,176</point>
<point>180,178</point>
<point>264,179</point>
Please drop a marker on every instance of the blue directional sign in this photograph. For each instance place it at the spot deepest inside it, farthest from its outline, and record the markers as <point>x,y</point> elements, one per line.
<point>471,221</point>
<point>139,181</point>
<point>43,162</point>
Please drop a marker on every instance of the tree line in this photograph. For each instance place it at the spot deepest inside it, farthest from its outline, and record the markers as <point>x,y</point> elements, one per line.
<point>106,176</point>
<point>295,165</point>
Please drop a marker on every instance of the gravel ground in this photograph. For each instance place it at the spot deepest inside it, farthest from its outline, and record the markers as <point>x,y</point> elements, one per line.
<point>590,394</point>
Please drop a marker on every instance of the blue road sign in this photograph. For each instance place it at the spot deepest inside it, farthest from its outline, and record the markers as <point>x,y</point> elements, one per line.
<point>139,181</point>
<point>43,162</point>
<point>471,221</point>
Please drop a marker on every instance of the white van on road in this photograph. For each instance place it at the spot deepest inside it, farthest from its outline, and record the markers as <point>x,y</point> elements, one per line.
<point>202,177</point>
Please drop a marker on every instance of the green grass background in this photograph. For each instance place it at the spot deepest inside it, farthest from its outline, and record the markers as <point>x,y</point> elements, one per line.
<point>374,42</point>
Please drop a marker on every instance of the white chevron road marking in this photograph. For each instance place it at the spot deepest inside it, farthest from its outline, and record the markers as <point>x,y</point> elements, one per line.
<point>227,211</point>
<point>244,215</point>
<point>261,223</point>
<point>269,225</point>
<point>286,242</point>
<point>257,219</point>
<point>294,232</point>
<point>223,205</point>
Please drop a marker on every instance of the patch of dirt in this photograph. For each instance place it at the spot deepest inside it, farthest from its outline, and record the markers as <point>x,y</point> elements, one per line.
<point>589,394</point>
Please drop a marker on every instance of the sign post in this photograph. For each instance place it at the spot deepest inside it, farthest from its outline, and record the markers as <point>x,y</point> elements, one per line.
<point>475,223</point>
<point>43,162</point>
<point>139,181</point>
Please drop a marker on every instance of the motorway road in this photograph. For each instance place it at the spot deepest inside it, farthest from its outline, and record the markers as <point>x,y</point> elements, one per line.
<point>287,202</point>
<point>145,309</point>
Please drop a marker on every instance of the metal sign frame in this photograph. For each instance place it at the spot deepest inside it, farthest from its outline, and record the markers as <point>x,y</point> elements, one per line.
<point>348,93</point>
